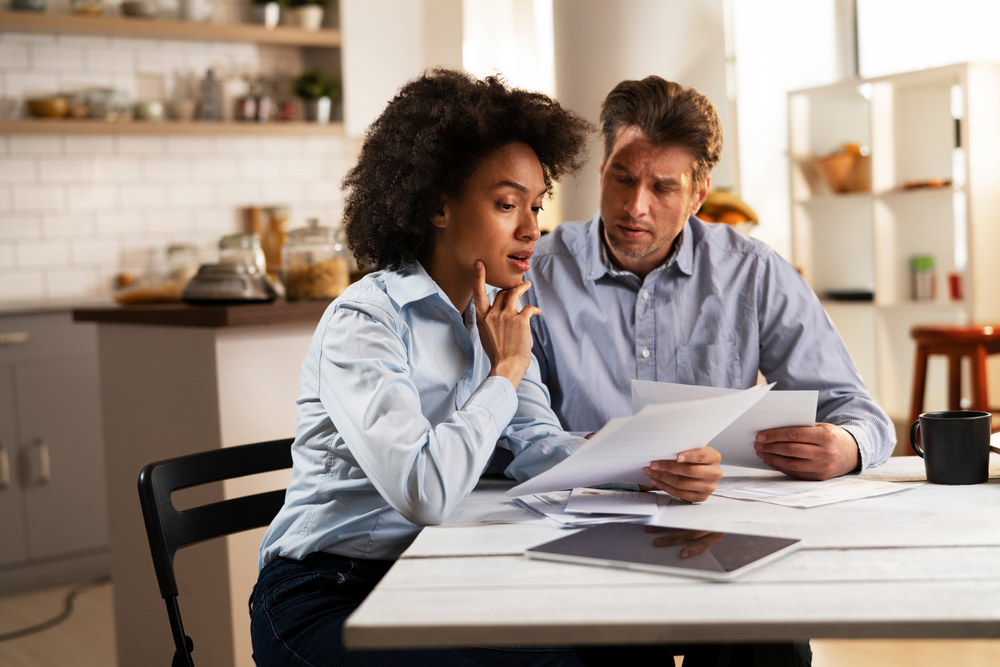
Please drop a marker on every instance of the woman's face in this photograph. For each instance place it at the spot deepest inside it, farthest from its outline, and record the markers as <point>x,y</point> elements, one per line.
<point>495,220</point>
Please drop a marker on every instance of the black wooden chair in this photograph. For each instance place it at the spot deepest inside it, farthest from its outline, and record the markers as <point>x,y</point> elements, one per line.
<point>168,529</point>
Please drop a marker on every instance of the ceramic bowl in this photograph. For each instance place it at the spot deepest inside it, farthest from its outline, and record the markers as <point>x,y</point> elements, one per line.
<point>28,5</point>
<point>48,107</point>
<point>145,9</point>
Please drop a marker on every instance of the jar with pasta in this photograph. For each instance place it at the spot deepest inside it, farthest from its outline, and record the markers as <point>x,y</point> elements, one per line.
<point>314,263</point>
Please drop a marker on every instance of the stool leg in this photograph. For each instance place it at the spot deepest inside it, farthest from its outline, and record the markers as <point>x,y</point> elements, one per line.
<point>919,380</point>
<point>954,382</point>
<point>980,401</point>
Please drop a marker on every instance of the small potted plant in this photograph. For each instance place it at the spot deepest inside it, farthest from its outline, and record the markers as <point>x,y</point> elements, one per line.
<point>319,92</point>
<point>309,13</point>
<point>266,12</point>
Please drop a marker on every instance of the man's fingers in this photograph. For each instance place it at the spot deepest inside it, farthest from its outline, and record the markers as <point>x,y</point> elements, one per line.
<point>482,301</point>
<point>807,469</point>
<point>795,450</point>
<point>811,434</point>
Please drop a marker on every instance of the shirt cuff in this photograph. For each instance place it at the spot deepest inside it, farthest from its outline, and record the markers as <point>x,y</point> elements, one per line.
<point>497,396</point>
<point>864,450</point>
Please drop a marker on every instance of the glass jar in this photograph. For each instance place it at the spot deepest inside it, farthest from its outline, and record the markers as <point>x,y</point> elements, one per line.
<point>182,262</point>
<point>314,264</point>
<point>242,249</point>
<point>275,236</point>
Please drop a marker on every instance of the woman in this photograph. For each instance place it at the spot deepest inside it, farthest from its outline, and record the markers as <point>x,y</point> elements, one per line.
<point>413,376</point>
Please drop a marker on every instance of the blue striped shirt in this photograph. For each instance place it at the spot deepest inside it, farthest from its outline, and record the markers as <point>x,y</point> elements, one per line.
<point>722,308</point>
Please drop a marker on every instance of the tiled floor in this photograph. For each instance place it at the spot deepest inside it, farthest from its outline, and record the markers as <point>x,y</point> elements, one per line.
<point>87,639</point>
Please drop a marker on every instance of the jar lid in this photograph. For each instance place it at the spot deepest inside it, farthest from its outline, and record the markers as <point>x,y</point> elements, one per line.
<point>313,233</point>
<point>228,241</point>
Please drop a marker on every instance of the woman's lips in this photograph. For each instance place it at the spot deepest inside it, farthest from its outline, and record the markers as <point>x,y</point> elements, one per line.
<point>520,262</point>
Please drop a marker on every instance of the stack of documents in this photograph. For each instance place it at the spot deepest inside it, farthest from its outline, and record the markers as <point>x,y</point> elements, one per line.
<point>589,507</point>
<point>799,493</point>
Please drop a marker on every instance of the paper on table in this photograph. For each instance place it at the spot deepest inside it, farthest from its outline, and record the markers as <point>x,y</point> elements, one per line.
<point>804,494</point>
<point>620,450</point>
<point>776,410</point>
<point>552,506</point>
<point>611,501</point>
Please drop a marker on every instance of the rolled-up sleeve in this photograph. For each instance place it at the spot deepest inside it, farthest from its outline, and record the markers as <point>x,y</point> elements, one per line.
<point>422,470</point>
<point>800,348</point>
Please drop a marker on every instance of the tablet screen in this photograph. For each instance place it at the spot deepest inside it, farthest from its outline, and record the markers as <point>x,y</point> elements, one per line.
<point>699,553</point>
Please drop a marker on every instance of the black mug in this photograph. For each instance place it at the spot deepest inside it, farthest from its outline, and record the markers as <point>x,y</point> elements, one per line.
<point>955,446</point>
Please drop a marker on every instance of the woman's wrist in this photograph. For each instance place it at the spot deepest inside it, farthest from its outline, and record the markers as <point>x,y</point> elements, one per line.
<point>510,370</point>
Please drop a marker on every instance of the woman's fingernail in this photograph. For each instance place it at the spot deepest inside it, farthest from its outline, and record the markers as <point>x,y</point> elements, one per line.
<point>681,458</point>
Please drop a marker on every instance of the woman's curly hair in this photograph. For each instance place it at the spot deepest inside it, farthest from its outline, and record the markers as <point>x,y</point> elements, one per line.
<point>429,141</point>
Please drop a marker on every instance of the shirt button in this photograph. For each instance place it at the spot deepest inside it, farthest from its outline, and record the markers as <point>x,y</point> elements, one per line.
<point>464,375</point>
<point>645,294</point>
<point>645,352</point>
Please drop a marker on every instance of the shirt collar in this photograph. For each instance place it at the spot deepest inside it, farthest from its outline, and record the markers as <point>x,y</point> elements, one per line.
<point>412,283</point>
<point>599,260</point>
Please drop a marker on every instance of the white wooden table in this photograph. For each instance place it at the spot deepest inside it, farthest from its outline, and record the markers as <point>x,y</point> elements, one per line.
<point>918,564</point>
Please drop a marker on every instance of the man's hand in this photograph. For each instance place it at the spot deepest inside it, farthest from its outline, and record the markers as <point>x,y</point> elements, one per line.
<point>809,452</point>
<point>691,477</point>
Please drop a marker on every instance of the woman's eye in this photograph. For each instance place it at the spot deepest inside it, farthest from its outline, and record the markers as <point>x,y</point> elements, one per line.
<point>537,209</point>
<point>507,207</point>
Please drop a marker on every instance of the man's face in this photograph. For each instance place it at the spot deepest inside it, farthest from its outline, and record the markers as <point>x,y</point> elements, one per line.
<point>647,194</point>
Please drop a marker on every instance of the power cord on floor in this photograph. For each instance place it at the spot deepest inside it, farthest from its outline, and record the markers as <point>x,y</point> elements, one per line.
<point>56,620</point>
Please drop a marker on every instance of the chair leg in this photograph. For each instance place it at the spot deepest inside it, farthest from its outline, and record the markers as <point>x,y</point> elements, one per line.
<point>980,400</point>
<point>919,382</point>
<point>954,382</point>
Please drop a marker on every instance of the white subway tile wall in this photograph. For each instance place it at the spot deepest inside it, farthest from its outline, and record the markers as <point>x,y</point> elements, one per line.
<point>77,210</point>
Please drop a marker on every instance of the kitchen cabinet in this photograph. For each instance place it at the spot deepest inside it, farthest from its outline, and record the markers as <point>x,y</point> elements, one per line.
<point>52,486</point>
<point>938,127</point>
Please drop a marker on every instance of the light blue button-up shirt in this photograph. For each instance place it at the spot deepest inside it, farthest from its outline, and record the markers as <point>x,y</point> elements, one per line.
<point>397,419</point>
<point>723,307</point>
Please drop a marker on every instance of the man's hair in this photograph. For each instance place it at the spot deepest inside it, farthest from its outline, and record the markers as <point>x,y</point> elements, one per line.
<point>666,113</point>
<point>427,143</point>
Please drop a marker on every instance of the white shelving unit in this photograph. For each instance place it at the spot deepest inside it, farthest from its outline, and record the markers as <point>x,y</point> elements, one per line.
<point>937,124</point>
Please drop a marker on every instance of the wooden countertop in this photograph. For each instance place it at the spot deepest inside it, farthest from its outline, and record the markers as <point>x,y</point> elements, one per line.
<point>185,315</point>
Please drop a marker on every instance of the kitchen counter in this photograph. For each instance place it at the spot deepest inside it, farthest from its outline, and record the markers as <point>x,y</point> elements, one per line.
<point>45,306</point>
<point>185,315</point>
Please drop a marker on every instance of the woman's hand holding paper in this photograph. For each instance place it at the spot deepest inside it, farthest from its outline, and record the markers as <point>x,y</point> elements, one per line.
<point>692,477</point>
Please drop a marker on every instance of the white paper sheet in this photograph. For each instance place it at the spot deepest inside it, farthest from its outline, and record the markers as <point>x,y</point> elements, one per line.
<point>800,493</point>
<point>611,501</point>
<point>777,409</point>
<point>552,506</point>
<point>620,450</point>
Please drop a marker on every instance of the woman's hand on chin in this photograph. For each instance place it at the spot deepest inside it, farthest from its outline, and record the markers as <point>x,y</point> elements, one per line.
<point>504,332</point>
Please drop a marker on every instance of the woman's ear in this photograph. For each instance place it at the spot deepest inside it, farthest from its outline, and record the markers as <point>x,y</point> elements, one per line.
<point>440,218</point>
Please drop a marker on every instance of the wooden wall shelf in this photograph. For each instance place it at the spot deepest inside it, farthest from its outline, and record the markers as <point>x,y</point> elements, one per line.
<point>168,127</point>
<point>114,26</point>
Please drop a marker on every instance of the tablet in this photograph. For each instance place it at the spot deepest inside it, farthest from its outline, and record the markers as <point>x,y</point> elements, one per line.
<point>709,554</point>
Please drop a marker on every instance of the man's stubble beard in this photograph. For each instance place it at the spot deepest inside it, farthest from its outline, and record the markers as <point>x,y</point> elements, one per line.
<point>639,253</point>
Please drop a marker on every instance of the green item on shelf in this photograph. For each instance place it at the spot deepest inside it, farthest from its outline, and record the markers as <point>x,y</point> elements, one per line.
<point>922,262</point>
<point>314,84</point>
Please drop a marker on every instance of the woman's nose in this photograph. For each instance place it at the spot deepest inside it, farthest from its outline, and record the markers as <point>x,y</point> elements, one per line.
<point>528,229</point>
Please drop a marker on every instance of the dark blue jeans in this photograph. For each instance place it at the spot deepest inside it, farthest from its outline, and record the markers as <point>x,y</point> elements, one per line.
<point>298,609</point>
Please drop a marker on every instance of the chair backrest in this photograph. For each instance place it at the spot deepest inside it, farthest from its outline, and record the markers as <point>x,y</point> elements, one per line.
<point>169,529</point>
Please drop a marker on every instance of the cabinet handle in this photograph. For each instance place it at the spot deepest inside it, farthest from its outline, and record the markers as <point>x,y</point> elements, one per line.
<point>4,468</point>
<point>15,337</point>
<point>44,467</point>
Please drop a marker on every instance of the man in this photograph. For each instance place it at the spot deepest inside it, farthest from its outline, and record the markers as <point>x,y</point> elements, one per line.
<point>645,290</point>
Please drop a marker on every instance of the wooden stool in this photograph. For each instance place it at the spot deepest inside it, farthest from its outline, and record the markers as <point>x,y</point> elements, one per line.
<point>954,342</point>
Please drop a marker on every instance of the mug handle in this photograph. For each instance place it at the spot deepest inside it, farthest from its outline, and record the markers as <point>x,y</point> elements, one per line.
<point>917,448</point>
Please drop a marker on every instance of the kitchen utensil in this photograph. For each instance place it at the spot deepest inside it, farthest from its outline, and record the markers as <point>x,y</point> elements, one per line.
<point>228,282</point>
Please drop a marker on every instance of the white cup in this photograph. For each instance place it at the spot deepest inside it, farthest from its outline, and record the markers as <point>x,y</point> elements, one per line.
<point>199,10</point>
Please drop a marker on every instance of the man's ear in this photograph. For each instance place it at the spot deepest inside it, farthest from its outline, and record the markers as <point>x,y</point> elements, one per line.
<point>702,194</point>
<point>600,167</point>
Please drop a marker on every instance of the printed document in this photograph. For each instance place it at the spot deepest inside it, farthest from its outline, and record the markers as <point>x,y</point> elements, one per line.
<point>620,450</point>
<point>801,493</point>
<point>611,501</point>
<point>775,410</point>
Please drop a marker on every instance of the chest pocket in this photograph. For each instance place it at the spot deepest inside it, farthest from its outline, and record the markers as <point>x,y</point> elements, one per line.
<point>715,365</point>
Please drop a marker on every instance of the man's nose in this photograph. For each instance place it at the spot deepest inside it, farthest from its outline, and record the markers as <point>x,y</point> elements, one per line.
<point>637,203</point>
